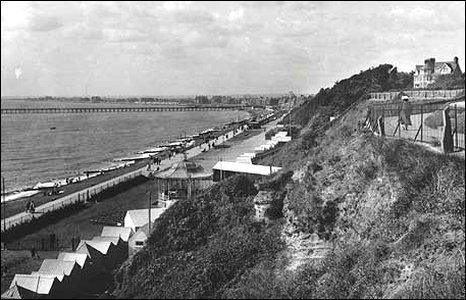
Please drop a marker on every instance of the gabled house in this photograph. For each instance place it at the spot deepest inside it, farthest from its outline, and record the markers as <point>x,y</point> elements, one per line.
<point>429,72</point>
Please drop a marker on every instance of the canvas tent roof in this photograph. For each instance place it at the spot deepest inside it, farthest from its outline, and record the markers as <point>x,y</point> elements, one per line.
<point>245,168</point>
<point>113,231</point>
<point>38,283</point>
<point>79,258</point>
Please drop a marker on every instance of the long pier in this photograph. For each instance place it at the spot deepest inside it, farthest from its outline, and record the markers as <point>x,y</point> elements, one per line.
<point>67,110</point>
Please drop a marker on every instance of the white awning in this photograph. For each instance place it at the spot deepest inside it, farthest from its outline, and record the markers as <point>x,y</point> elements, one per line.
<point>238,167</point>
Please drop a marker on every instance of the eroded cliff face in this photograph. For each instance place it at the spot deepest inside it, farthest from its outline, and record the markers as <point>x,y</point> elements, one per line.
<point>392,213</point>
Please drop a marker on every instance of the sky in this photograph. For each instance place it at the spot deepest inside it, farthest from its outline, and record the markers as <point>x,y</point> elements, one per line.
<point>191,48</point>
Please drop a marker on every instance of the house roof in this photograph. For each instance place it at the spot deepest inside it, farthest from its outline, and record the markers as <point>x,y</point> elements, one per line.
<point>140,217</point>
<point>245,168</point>
<point>38,283</point>
<point>101,246</point>
<point>451,64</point>
<point>17,292</point>
<point>79,258</point>
<point>122,232</point>
<point>57,267</point>
<point>438,64</point>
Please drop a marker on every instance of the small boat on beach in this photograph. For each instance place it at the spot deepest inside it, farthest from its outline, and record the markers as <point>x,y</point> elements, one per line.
<point>18,195</point>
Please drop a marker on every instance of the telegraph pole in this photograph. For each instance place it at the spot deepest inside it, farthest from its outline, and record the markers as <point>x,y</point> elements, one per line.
<point>150,200</point>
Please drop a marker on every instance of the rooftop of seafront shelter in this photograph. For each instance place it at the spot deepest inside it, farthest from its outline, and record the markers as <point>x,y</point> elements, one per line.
<point>238,167</point>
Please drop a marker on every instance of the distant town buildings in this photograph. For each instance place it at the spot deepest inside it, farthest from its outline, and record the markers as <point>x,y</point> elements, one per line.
<point>285,101</point>
<point>429,72</point>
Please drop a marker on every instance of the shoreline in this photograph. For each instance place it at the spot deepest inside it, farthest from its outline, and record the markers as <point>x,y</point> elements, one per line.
<point>103,167</point>
<point>11,209</point>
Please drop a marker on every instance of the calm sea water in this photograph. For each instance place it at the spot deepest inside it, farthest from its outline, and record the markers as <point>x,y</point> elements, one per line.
<point>32,152</point>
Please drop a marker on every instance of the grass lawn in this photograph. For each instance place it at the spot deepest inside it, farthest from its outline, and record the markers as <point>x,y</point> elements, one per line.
<point>21,262</point>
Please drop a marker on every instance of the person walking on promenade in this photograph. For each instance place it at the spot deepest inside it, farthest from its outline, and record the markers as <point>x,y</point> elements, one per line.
<point>34,253</point>
<point>52,240</point>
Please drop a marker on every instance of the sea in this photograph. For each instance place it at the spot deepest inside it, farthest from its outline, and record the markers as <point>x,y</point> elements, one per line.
<point>43,147</point>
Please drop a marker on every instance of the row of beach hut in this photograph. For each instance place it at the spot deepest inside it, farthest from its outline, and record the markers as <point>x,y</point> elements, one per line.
<point>83,272</point>
<point>74,274</point>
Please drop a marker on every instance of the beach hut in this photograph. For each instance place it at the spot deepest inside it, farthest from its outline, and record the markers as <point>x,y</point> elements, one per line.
<point>137,218</point>
<point>139,239</point>
<point>114,231</point>
<point>97,258</point>
<point>120,249</point>
<point>17,292</point>
<point>182,180</point>
<point>107,249</point>
<point>40,286</point>
<point>67,272</point>
<point>88,272</point>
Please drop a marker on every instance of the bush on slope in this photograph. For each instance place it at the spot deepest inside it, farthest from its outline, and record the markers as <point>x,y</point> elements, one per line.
<point>199,245</point>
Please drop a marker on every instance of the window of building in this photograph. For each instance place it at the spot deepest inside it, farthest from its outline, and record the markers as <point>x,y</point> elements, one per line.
<point>139,243</point>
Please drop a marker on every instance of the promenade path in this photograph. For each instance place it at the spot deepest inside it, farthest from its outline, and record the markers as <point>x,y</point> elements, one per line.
<point>210,158</point>
<point>92,190</point>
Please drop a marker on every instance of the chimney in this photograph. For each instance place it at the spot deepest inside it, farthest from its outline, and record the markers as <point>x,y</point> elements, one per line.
<point>455,59</point>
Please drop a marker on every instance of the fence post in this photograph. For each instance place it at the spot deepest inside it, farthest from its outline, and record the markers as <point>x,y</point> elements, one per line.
<point>422,121</point>
<point>399,129</point>
<point>380,125</point>
<point>456,126</point>
<point>447,138</point>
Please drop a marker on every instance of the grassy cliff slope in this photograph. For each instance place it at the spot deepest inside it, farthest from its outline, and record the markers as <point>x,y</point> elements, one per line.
<point>393,212</point>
